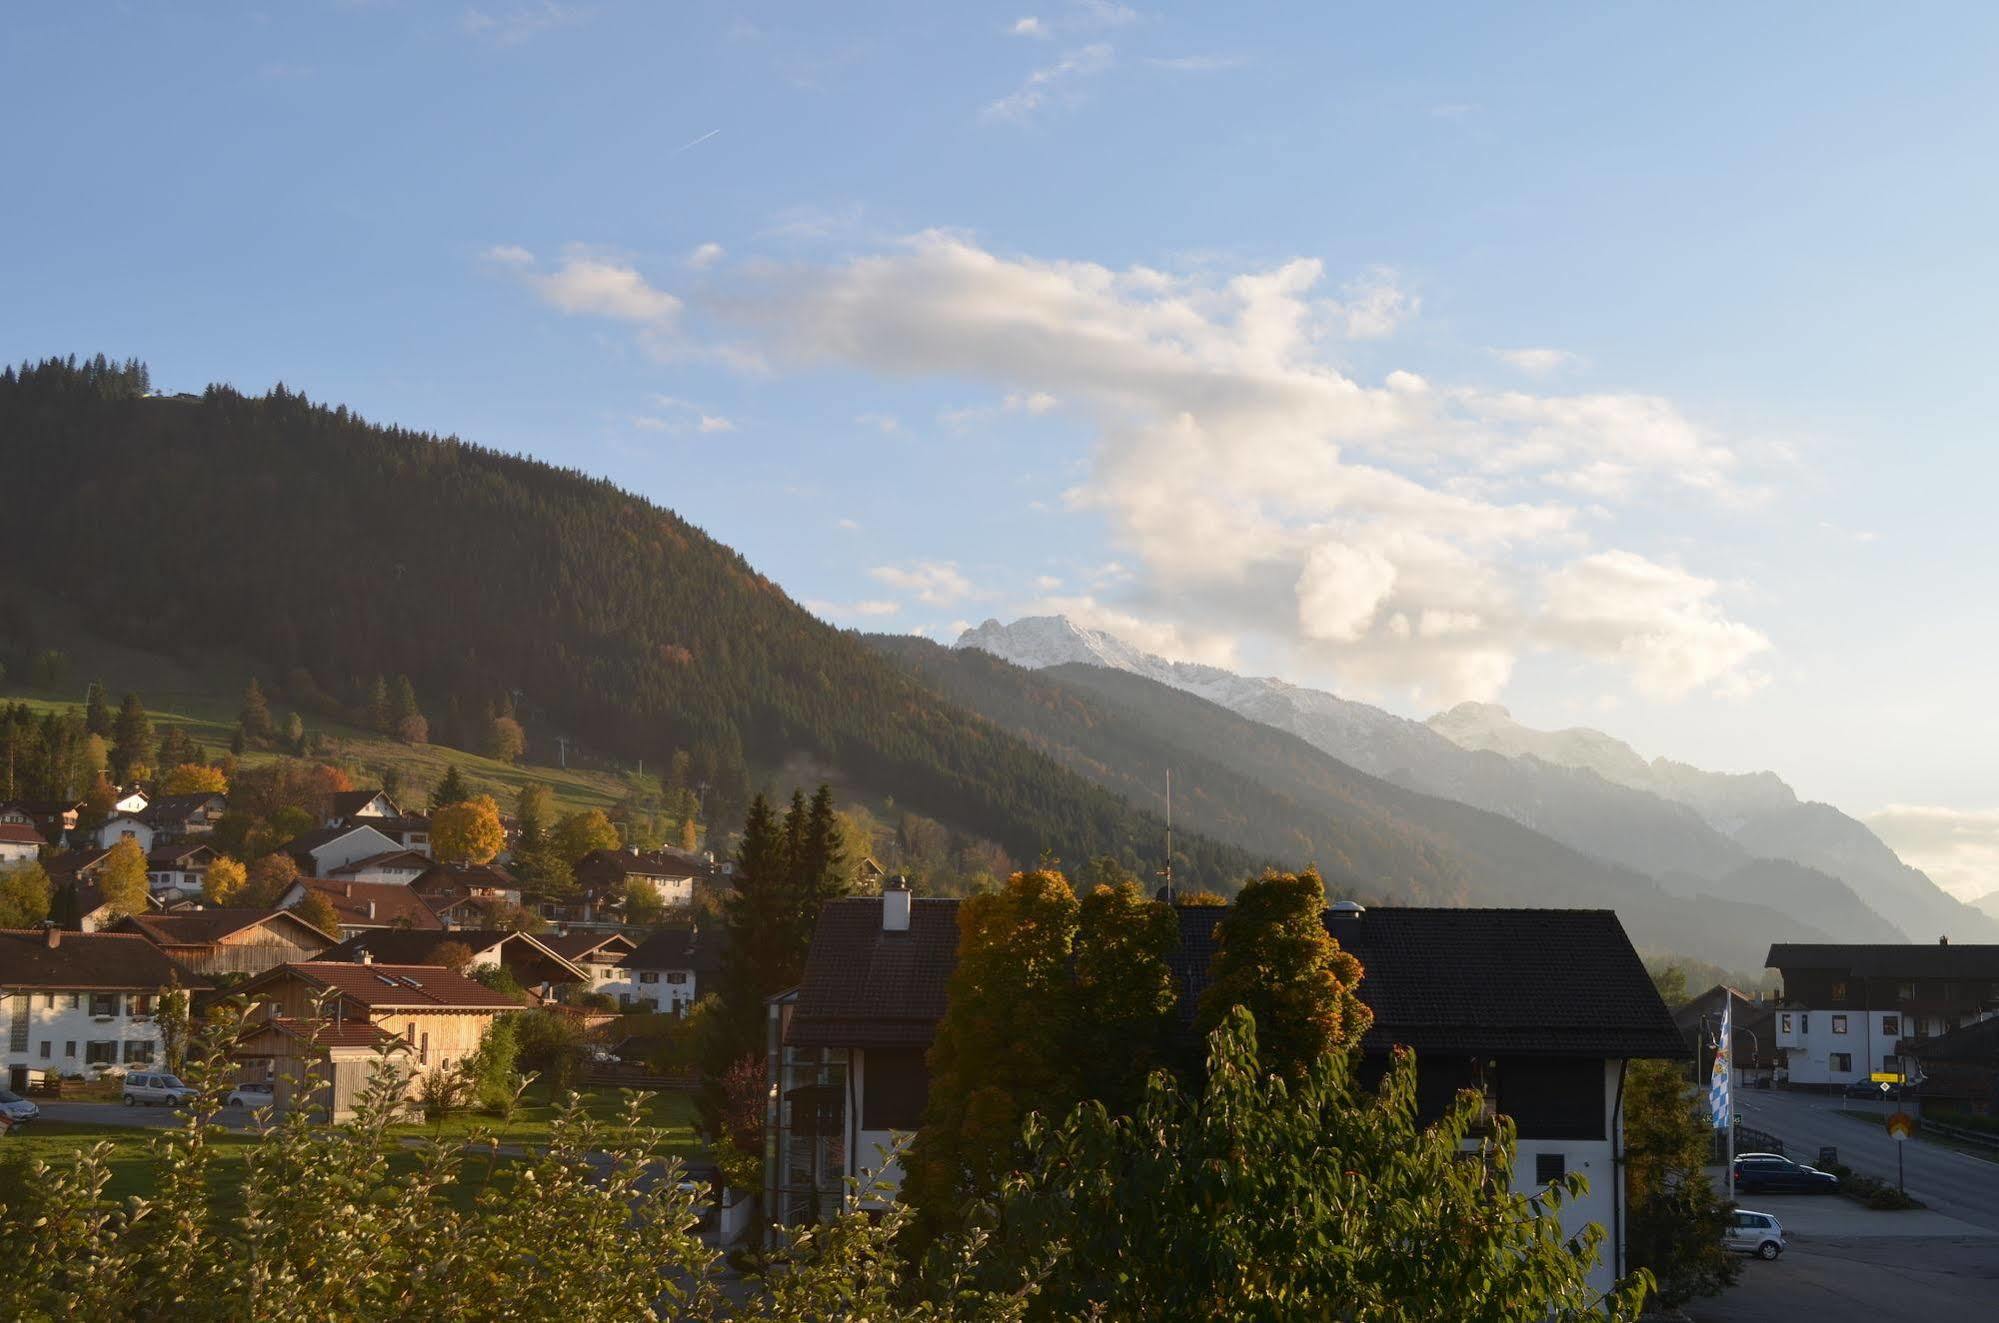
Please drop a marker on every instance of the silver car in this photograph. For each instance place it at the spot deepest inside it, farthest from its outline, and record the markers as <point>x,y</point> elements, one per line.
<point>145,1089</point>
<point>1755,1233</point>
<point>17,1110</point>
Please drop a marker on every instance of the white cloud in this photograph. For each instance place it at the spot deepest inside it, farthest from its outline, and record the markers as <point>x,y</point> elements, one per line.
<point>1535,362</point>
<point>1035,402</point>
<point>847,525</point>
<point>1030,27</point>
<point>1085,14</point>
<point>509,254</point>
<point>705,256</point>
<point>1047,583</point>
<point>885,423</point>
<point>1660,621</point>
<point>1057,80</point>
<point>1411,536</point>
<point>598,286</point>
<point>933,583</point>
<point>877,607</point>
<point>1198,63</point>
<point>521,23</point>
<point>833,612</point>
<point>683,417</point>
<point>1958,848</point>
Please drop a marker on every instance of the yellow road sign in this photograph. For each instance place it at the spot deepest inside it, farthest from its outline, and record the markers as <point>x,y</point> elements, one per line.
<point>1886,1077</point>
<point>1901,1125</point>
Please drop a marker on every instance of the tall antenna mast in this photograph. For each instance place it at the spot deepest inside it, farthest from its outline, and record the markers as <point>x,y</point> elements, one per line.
<point>1167,872</point>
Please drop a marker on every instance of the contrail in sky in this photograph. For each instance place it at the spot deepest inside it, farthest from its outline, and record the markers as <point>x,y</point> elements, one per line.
<point>697,142</point>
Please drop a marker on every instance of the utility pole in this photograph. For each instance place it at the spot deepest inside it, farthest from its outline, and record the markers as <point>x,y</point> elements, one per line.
<point>1166,873</point>
<point>562,751</point>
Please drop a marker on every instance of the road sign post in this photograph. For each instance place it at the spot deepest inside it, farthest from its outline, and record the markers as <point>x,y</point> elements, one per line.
<point>1900,1126</point>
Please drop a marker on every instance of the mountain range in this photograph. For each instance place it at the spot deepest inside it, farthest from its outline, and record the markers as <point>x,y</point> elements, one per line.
<point>1739,837</point>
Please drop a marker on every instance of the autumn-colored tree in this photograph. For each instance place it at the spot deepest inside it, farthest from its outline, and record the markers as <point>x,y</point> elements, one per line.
<point>224,881</point>
<point>1276,959</point>
<point>1204,899</point>
<point>122,879</point>
<point>468,831</point>
<point>269,879</point>
<point>641,904</point>
<point>453,956</point>
<point>1126,996</point>
<point>1003,1048</point>
<point>413,729</point>
<point>176,746</point>
<point>505,740</point>
<point>195,779</point>
<point>97,802</point>
<point>577,834</point>
<point>24,895</point>
<point>317,910</point>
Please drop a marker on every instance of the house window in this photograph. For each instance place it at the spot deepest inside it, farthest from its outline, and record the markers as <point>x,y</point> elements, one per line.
<point>1804,1024</point>
<point>649,976</point>
<point>423,1051</point>
<point>104,1004</point>
<point>48,1049</point>
<point>1905,992</point>
<point>75,1000</point>
<point>1891,1025</point>
<point>138,1053</point>
<point>100,1053</point>
<point>69,1047</point>
<point>1839,992</point>
<point>48,1001</point>
<point>1839,1024</point>
<point>1783,1024</point>
<point>1549,1167</point>
<point>1841,1062</point>
<point>677,976</point>
<point>139,1005</point>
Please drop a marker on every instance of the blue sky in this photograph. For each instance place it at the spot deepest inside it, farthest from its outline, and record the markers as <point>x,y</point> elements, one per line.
<point>1629,368</point>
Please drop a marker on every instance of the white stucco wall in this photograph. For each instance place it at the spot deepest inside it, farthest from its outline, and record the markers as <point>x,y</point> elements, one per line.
<point>53,1020</point>
<point>1810,1043</point>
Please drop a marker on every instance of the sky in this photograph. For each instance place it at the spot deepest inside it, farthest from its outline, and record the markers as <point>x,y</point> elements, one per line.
<point>1626,366</point>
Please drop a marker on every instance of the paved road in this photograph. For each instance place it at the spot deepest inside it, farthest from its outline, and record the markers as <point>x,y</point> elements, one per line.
<point>1864,1279</point>
<point>152,1118</point>
<point>1951,1182</point>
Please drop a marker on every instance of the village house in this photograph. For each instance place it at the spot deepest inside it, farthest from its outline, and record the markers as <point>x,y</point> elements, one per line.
<point>600,955</point>
<point>345,806</point>
<point>179,817</point>
<point>668,970</point>
<point>670,873</point>
<point>464,895</point>
<point>534,965</point>
<point>20,843</point>
<point>55,819</point>
<point>1754,1019</point>
<point>343,1018</point>
<point>132,801</point>
<point>77,1004</point>
<point>366,906</point>
<point>178,872</point>
<point>125,827</point>
<point>1538,1010</point>
<point>1960,1068</point>
<point>12,813</point>
<point>317,853</point>
<point>218,942</point>
<point>1849,1011</point>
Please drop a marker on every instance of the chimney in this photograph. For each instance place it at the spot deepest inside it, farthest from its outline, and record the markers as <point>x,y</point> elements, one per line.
<point>364,957</point>
<point>1943,941</point>
<point>371,909</point>
<point>1346,909</point>
<point>54,938</point>
<point>895,905</point>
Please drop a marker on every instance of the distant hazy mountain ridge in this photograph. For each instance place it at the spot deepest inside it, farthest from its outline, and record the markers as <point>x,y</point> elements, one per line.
<point>1693,829</point>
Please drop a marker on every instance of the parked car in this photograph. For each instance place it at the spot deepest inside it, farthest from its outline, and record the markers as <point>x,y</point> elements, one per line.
<point>1767,1171</point>
<point>1869,1089</point>
<point>17,1110</point>
<point>1755,1233</point>
<point>145,1089</point>
<point>251,1096</point>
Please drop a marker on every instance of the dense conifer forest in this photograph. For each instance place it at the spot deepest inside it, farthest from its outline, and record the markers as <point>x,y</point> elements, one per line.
<point>337,550</point>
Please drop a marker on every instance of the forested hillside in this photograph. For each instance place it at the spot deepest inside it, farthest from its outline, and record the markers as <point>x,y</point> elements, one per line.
<point>1243,781</point>
<point>335,551</point>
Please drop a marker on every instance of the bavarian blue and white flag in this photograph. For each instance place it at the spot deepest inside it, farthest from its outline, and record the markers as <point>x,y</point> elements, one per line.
<point>1720,1102</point>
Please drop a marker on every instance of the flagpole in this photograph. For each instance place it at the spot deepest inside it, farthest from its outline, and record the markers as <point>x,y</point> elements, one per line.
<point>1728,1054</point>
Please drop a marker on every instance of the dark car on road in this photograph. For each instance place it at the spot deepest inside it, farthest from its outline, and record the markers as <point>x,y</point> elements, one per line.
<point>1869,1089</point>
<point>1768,1173</point>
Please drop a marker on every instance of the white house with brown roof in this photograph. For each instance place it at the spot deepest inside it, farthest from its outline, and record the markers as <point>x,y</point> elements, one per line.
<point>20,843</point>
<point>80,1003</point>
<point>441,1018</point>
<point>317,853</point>
<point>366,906</point>
<point>126,827</point>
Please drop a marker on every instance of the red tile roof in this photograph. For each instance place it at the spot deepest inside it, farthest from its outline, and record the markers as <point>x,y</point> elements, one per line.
<point>104,961</point>
<point>20,834</point>
<point>325,1033</point>
<point>396,906</point>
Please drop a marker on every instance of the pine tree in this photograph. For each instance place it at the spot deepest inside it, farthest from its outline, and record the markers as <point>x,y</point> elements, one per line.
<point>402,701</point>
<point>255,718</point>
<point>97,709</point>
<point>131,740</point>
<point>818,865</point>
<point>381,716</point>
<point>450,790</point>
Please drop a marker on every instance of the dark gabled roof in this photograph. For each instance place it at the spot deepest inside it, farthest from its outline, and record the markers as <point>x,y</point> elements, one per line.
<point>393,902</point>
<point>381,987</point>
<point>204,927</point>
<point>1448,981</point>
<point>397,858</point>
<point>450,877</point>
<point>1977,1042</point>
<point>102,961</point>
<point>403,947</point>
<point>175,855</point>
<point>177,808</point>
<point>678,948</point>
<point>1889,959</point>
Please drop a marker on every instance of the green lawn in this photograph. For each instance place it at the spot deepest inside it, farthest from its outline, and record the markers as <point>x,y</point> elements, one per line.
<point>130,1159</point>
<point>672,1112</point>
